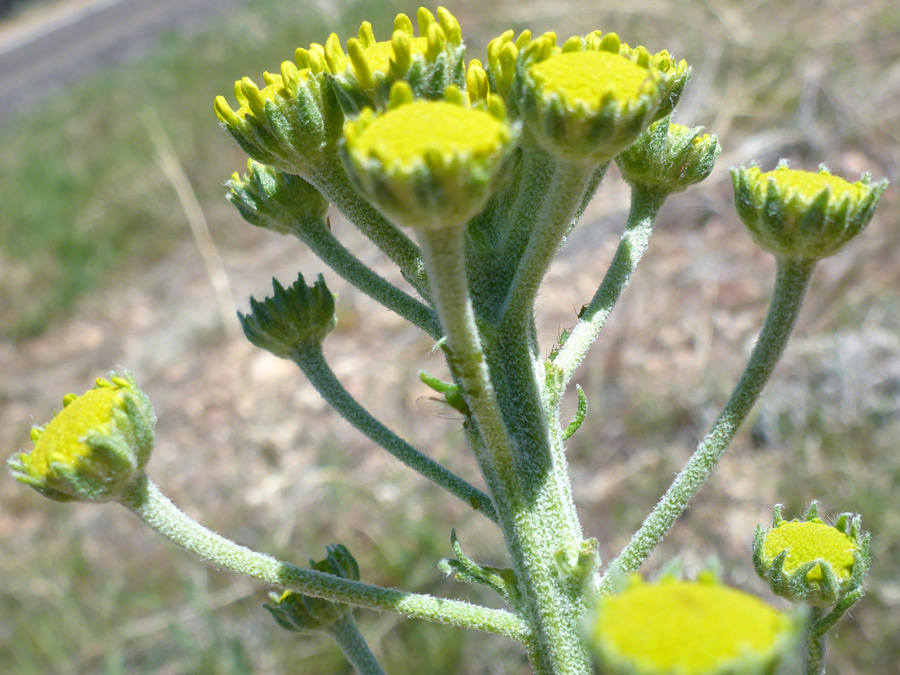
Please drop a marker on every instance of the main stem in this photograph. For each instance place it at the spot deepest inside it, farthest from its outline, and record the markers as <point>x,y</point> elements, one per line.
<point>147,502</point>
<point>515,458</point>
<point>791,281</point>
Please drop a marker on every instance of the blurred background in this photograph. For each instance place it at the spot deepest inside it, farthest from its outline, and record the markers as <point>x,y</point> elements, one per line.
<point>112,167</point>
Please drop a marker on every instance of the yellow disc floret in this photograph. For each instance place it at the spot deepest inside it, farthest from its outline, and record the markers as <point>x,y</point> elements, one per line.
<point>405,135</point>
<point>380,55</point>
<point>62,440</point>
<point>806,185</point>
<point>688,628</point>
<point>807,541</point>
<point>588,77</point>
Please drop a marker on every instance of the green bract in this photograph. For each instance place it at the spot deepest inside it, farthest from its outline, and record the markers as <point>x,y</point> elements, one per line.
<point>669,157</point>
<point>297,612</point>
<point>811,561</point>
<point>428,164</point>
<point>800,214</point>
<point>293,318</point>
<point>92,449</point>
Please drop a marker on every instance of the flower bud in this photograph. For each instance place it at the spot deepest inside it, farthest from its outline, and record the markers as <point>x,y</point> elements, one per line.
<point>811,561</point>
<point>669,157</point>
<point>275,200</point>
<point>428,164</point>
<point>297,612</point>
<point>675,627</point>
<point>94,447</point>
<point>292,123</point>
<point>586,102</point>
<point>800,214</point>
<point>429,63</point>
<point>291,319</point>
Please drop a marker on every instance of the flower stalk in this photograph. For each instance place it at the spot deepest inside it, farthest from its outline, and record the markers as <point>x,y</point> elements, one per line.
<point>791,281</point>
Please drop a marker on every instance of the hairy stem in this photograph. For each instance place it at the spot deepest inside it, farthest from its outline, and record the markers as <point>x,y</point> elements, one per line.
<point>353,644</point>
<point>148,503</point>
<point>514,457</point>
<point>331,180</point>
<point>814,653</point>
<point>645,205</point>
<point>329,250</point>
<point>564,197</point>
<point>791,281</point>
<point>313,364</point>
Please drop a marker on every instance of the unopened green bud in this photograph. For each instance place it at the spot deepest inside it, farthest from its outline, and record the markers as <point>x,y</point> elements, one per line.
<point>275,200</point>
<point>800,214</point>
<point>669,157</point>
<point>675,627</point>
<point>94,447</point>
<point>429,63</point>
<point>811,561</point>
<point>292,319</point>
<point>428,164</point>
<point>586,102</point>
<point>297,612</point>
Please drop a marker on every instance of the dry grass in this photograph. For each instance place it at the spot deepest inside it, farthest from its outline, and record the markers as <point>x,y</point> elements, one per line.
<point>247,447</point>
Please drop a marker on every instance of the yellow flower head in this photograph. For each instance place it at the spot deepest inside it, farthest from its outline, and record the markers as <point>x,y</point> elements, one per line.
<point>801,214</point>
<point>429,63</point>
<point>428,163</point>
<point>585,101</point>
<point>292,122</point>
<point>676,627</point>
<point>94,447</point>
<point>811,561</point>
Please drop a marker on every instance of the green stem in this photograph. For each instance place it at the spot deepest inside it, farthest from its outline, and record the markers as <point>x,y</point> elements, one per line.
<point>516,467</point>
<point>313,364</point>
<point>331,180</point>
<point>814,654</point>
<point>353,644</point>
<point>645,205</point>
<point>563,200</point>
<point>325,245</point>
<point>145,500</point>
<point>791,281</point>
<point>537,172</point>
<point>445,261</point>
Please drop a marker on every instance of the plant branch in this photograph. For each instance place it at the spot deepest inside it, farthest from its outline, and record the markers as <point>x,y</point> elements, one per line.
<point>315,234</point>
<point>565,195</point>
<point>148,503</point>
<point>353,644</point>
<point>645,205</point>
<point>313,364</point>
<point>791,282</point>
<point>331,180</point>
